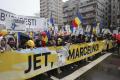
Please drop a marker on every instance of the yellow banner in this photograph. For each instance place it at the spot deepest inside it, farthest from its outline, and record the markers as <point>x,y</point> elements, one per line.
<point>17,66</point>
<point>110,44</point>
<point>24,64</point>
<point>82,51</point>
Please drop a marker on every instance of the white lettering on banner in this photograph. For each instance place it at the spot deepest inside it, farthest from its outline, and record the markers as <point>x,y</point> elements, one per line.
<point>36,51</point>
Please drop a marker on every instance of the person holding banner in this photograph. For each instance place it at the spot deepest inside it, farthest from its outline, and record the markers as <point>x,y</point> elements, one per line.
<point>38,41</point>
<point>53,41</point>
<point>4,46</point>
<point>73,39</point>
<point>87,39</point>
<point>30,44</point>
<point>59,42</point>
<point>12,43</point>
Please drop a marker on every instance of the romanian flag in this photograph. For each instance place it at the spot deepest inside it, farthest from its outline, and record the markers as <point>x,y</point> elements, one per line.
<point>52,20</point>
<point>77,20</point>
<point>45,39</point>
<point>74,23</point>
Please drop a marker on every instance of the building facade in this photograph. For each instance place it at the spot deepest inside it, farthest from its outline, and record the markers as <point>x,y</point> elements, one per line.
<point>69,10</point>
<point>118,16</point>
<point>52,8</point>
<point>91,11</point>
<point>114,12</point>
<point>108,13</point>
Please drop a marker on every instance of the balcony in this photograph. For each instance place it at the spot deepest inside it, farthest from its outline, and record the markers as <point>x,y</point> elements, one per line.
<point>119,14</point>
<point>87,4</point>
<point>69,16</point>
<point>67,20</point>
<point>89,17</point>
<point>118,21</point>
<point>87,10</point>
<point>88,21</point>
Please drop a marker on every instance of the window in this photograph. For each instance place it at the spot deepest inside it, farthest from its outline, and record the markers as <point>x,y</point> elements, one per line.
<point>106,18</point>
<point>94,6</point>
<point>114,6</point>
<point>103,15</point>
<point>106,8</point>
<point>106,3</point>
<point>106,13</point>
<point>81,3</point>
<point>113,12</point>
<point>113,23</point>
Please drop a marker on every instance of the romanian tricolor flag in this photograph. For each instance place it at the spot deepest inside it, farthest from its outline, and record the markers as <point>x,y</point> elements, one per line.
<point>74,23</point>
<point>45,39</point>
<point>77,21</point>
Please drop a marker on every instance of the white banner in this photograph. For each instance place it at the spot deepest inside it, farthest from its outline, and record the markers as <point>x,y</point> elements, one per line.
<point>15,22</point>
<point>88,28</point>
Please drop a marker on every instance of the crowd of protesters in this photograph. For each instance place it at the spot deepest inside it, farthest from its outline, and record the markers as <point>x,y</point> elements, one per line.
<point>10,43</point>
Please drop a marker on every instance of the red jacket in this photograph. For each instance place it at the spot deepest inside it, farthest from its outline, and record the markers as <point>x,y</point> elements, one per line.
<point>118,38</point>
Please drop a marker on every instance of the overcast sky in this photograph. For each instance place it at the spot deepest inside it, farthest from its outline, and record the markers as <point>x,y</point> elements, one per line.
<point>21,7</point>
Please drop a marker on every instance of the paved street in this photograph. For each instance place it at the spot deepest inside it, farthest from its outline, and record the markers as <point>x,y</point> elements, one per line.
<point>107,70</point>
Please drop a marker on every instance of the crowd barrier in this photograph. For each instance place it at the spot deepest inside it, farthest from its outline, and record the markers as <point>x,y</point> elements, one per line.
<point>27,63</point>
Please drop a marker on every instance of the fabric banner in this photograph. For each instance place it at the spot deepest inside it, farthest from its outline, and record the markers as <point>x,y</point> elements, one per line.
<point>18,23</point>
<point>21,65</point>
<point>79,52</point>
<point>24,64</point>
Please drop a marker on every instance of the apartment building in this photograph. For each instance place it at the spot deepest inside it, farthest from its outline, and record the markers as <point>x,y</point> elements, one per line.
<point>91,11</point>
<point>52,8</point>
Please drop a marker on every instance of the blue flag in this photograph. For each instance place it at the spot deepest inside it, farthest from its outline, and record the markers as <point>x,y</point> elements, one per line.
<point>71,28</point>
<point>48,34</point>
<point>51,20</point>
<point>80,17</point>
<point>94,24</point>
<point>101,24</point>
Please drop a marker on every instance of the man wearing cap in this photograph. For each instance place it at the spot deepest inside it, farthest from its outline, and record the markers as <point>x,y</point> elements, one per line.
<point>30,44</point>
